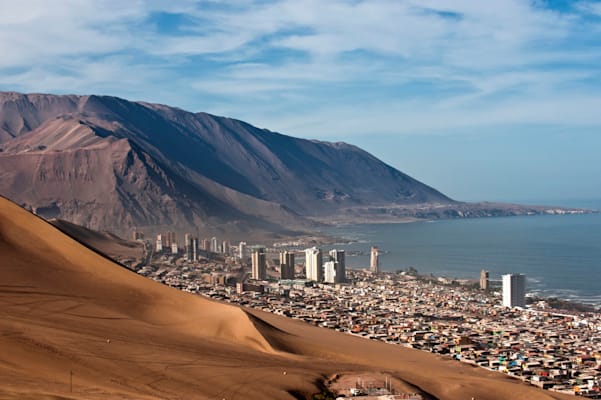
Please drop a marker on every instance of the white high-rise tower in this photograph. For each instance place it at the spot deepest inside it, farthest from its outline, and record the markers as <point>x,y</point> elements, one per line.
<point>514,290</point>
<point>313,264</point>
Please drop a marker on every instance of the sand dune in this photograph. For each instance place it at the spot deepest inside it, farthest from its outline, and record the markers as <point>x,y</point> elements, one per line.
<point>67,313</point>
<point>105,242</point>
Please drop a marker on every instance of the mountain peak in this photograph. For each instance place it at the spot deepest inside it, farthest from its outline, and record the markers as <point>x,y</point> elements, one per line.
<point>192,168</point>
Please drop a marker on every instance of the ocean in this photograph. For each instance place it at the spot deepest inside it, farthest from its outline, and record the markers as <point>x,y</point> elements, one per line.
<point>559,254</point>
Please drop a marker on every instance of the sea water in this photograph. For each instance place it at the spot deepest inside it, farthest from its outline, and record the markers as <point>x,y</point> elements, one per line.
<point>559,254</point>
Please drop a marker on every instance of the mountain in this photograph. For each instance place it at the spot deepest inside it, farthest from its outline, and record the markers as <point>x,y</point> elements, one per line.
<point>75,325</point>
<point>112,164</point>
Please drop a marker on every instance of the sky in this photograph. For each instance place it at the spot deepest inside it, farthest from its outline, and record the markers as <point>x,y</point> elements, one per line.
<point>483,100</point>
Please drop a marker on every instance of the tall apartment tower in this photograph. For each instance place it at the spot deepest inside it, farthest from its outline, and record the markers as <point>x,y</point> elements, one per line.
<point>225,247</point>
<point>340,257</point>
<point>484,280</point>
<point>214,245</point>
<point>329,271</point>
<point>194,248</point>
<point>374,261</point>
<point>313,264</point>
<point>159,243</point>
<point>191,247</point>
<point>169,238</point>
<point>259,264</point>
<point>242,251</point>
<point>286,265</point>
<point>514,290</point>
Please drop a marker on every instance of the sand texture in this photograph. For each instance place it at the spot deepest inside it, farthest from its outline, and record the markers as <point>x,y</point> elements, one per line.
<point>67,314</point>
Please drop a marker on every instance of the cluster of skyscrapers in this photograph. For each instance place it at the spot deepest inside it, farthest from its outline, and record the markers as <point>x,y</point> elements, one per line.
<point>331,271</point>
<point>167,242</point>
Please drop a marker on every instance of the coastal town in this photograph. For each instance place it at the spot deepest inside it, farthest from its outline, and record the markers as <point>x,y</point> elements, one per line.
<point>469,321</point>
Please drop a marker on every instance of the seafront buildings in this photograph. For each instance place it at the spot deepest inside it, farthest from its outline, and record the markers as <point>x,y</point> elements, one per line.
<point>554,349</point>
<point>335,268</point>
<point>374,260</point>
<point>313,264</point>
<point>514,290</point>
<point>484,282</point>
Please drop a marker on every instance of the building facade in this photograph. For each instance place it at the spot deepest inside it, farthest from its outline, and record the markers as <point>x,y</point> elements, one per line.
<point>259,264</point>
<point>514,290</point>
<point>374,260</point>
<point>286,265</point>
<point>484,284</point>
<point>340,257</point>
<point>313,264</point>
<point>242,251</point>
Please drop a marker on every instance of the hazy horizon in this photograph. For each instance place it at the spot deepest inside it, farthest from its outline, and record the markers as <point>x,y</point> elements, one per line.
<point>488,101</point>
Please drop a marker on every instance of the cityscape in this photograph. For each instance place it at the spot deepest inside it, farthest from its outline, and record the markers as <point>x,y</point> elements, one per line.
<point>482,322</point>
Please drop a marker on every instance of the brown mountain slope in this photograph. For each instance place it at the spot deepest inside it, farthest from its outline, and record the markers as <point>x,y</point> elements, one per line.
<point>66,312</point>
<point>160,166</point>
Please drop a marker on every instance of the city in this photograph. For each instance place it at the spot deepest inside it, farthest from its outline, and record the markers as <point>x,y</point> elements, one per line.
<point>471,322</point>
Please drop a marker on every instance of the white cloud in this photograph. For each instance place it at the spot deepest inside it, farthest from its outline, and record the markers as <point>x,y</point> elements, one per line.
<point>482,62</point>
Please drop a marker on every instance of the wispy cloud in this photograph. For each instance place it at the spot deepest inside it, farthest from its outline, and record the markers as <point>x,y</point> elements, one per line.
<point>319,68</point>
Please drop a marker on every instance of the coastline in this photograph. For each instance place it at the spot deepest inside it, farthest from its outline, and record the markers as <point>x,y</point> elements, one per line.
<point>440,248</point>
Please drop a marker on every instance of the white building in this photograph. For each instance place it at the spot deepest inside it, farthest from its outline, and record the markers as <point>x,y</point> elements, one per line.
<point>242,251</point>
<point>313,264</point>
<point>329,269</point>
<point>514,290</point>
<point>339,257</point>
<point>214,245</point>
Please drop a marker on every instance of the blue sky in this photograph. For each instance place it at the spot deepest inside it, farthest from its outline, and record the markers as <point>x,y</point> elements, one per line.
<point>495,100</point>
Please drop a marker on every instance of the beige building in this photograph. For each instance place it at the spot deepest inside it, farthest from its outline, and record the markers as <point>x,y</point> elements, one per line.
<point>259,264</point>
<point>374,261</point>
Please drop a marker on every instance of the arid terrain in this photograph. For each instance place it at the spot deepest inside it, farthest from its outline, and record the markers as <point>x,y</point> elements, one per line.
<point>75,325</point>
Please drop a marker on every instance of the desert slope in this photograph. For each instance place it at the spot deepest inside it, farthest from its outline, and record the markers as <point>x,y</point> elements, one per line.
<point>105,242</point>
<point>65,309</point>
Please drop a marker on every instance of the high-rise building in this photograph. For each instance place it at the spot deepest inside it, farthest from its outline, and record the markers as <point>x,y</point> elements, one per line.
<point>225,247</point>
<point>484,280</point>
<point>242,251</point>
<point>205,245</point>
<point>329,269</point>
<point>168,239</point>
<point>286,265</point>
<point>374,261</point>
<point>191,247</point>
<point>194,251</point>
<point>214,245</point>
<point>174,249</point>
<point>514,290</point>
<point>159,243</point>
<point>259,263</point>
<point>339,257</point>
<point>187,246</point>
<point>287,257</point>
<point>313,264</point>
